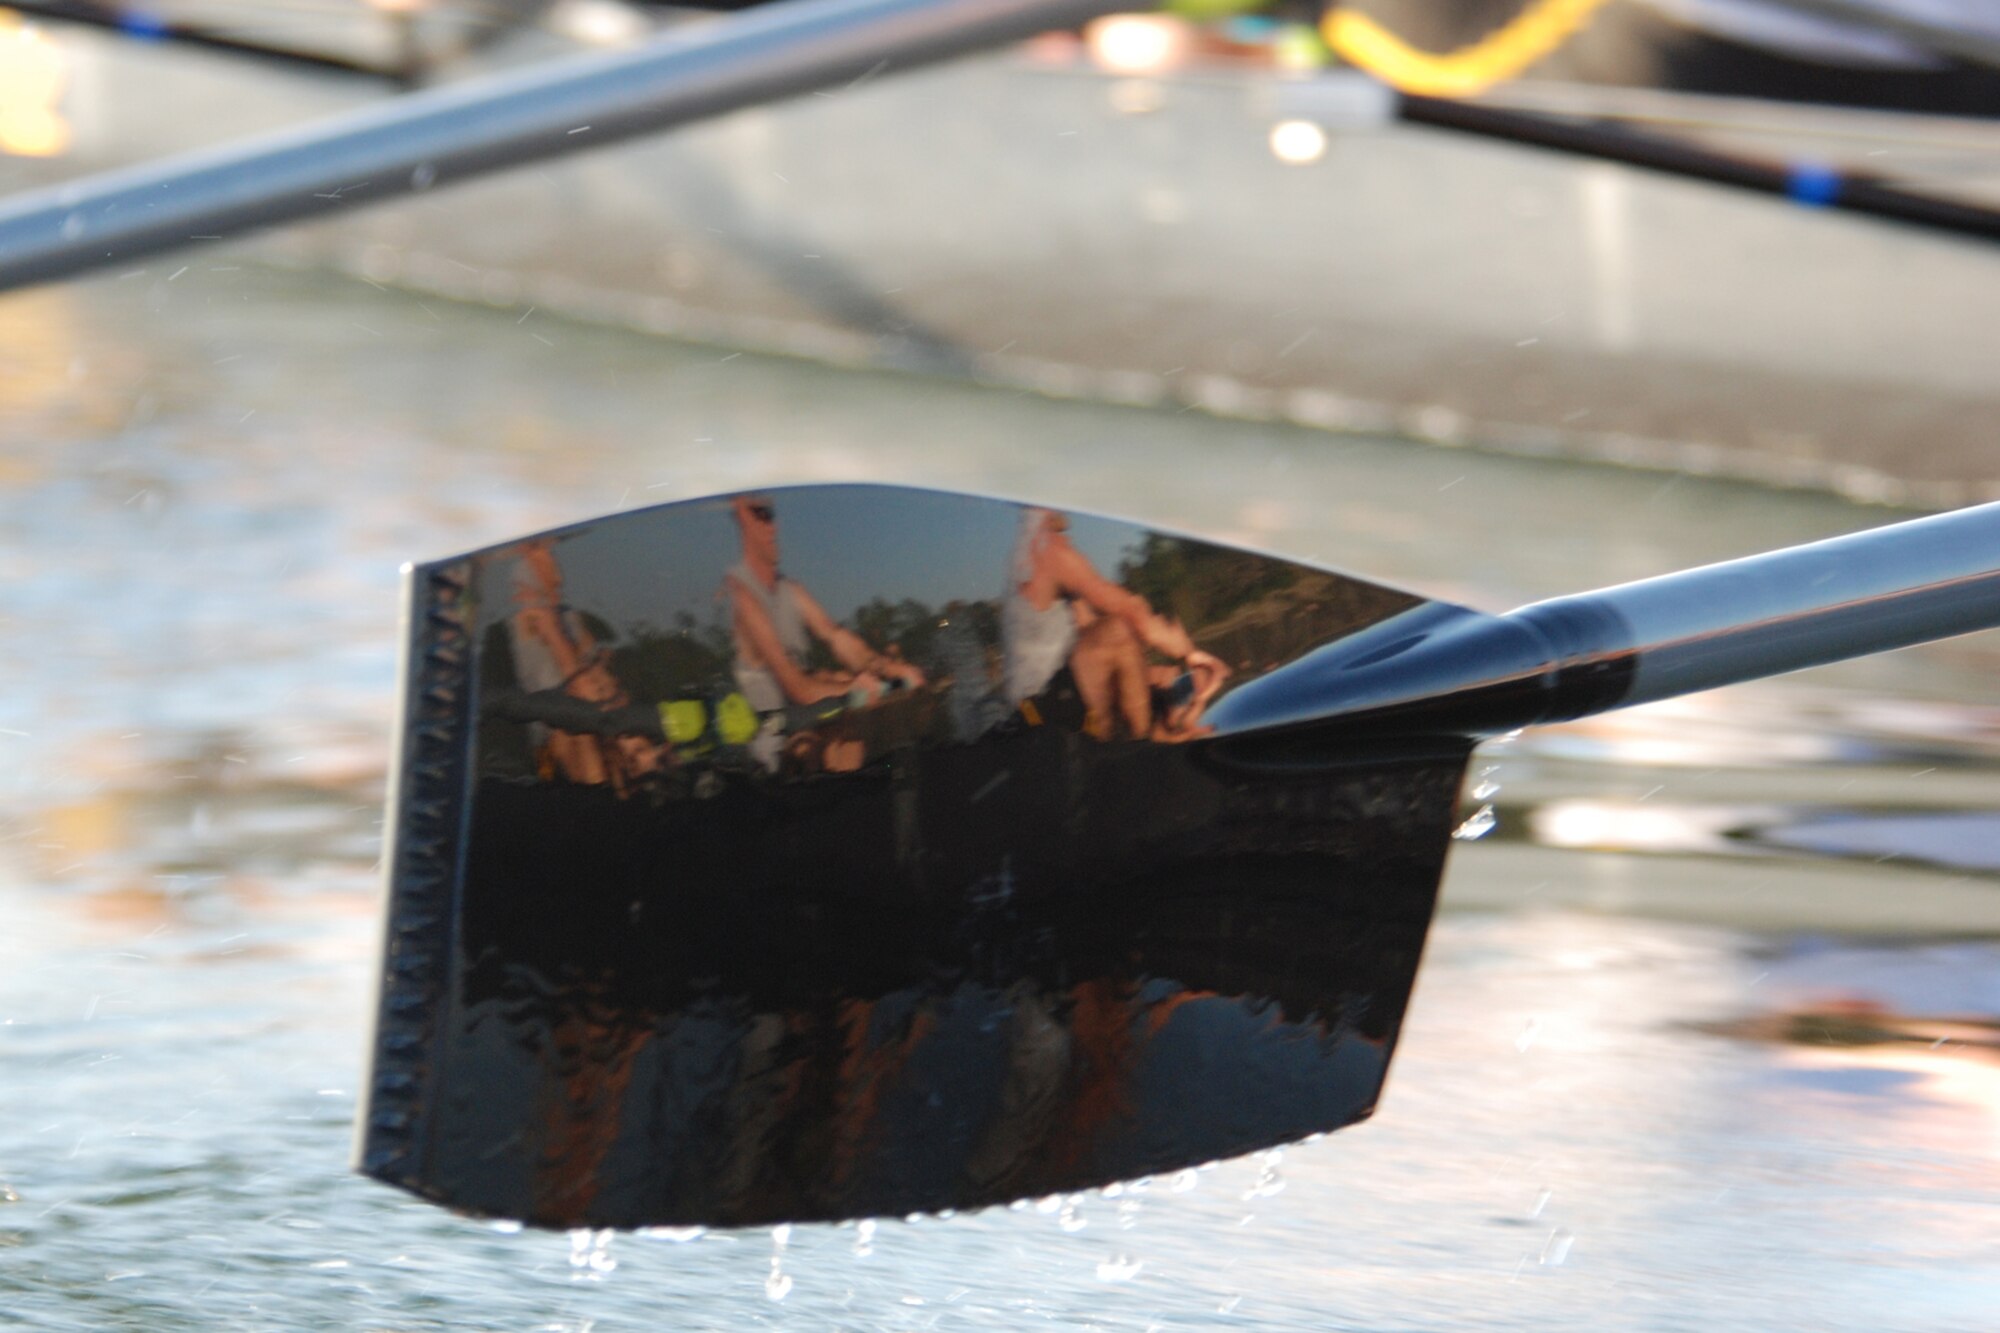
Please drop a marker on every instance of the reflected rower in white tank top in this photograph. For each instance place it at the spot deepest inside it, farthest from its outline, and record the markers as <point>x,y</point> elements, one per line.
<point>1035,641</point>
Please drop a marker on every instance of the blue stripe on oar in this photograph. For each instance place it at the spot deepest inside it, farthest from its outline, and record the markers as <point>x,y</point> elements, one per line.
<point>143,25</point>
<point>1814,184</point>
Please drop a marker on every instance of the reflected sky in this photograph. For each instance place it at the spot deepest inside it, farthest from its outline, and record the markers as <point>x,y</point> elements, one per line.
<point>847,548</point>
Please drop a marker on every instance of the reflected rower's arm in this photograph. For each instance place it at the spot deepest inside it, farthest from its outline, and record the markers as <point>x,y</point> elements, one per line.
<point>543,623</point>
<point>754,629</point>
<point>1079,578</point>
<point>852,650</point>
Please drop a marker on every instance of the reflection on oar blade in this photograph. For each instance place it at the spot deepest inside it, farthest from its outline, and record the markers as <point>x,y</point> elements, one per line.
<point>905,875</point>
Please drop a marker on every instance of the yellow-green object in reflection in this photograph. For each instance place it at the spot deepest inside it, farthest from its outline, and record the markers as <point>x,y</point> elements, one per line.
<point>684,720</point>
<point>735,720</point>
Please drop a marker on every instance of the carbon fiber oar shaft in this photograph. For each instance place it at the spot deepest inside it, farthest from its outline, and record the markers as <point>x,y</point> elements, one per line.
<point>413,142</point>
<point>1440,669</point>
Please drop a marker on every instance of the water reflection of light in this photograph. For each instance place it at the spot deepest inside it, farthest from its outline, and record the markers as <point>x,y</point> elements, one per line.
<point>1702,729</point>
<point>1773,724</point>
<point>1905,1036</point>
<point>1638,827</point>
<point>598,22</point>
<point>32,78</point>
<point>1298,142</point>
<point>1137,43</point>
<point>1933,1097</point>
<point>49,356</point>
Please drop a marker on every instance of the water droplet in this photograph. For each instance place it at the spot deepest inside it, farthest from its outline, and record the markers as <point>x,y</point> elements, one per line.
<point>1526,1037</point>
<point>1112,1190</point>
<point>1541,1202</point>
<point>1477,825</point>
<point>1018,1206</point>
<point>1183,1181</point>
<point>1556,1252</point>
<point>779,1284</point>
<point>73,226</point>
<point>864,1238</point>
<point>676,1235</point>
<point>1119,1268</point>
<point>590,1254</point>
<point>1071,1218</point>
<point>1485,791</point>
<point>1269,1182</point>
<point>504,1225</point>
<point>1048,1203</point>
<point>423,177</point>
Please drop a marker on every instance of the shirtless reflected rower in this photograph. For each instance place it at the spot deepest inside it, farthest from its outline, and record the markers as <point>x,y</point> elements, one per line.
<point>773,622</point>
<point>1060,613</point>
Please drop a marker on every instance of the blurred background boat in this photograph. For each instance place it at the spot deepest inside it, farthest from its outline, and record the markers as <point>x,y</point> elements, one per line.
<point>1212,216</point>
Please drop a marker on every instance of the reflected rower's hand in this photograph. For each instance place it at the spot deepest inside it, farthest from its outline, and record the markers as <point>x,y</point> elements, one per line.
<point>1209,671</point>
<point>1184,723</point>
<point>866,690</point>
<point>824,685</point>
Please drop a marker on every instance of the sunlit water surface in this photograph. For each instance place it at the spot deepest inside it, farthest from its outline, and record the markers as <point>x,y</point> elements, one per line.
<point>1602,1113</point>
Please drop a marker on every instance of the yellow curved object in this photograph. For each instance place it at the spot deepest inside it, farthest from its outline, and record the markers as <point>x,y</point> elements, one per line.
<point>1501,55</point>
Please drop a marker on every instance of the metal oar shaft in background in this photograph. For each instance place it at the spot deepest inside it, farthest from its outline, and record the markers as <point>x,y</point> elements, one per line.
<point>1441,669</point>
<point>1806,182</point>
<point>412,142</point>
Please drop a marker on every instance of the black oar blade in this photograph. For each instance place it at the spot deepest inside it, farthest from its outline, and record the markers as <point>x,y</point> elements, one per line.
<point>907,879</point>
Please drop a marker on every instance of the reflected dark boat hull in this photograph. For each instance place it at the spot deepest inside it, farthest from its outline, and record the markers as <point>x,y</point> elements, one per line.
<point>1222,970</point>
<point>969,940</point>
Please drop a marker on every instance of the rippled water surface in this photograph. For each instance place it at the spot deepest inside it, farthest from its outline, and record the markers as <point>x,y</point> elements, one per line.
<point>1705,1038</point>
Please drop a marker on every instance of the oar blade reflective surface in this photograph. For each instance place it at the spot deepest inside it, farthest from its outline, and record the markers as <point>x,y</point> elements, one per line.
<point>855,851</point>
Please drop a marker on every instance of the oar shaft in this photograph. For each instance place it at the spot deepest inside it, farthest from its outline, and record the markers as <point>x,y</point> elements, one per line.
<point>420,139</point>
<point>1810,183</point>
<point>1441,670</point>
<point>1867,592</point>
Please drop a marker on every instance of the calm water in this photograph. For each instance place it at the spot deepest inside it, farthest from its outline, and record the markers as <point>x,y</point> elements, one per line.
<point>1600,1114</point>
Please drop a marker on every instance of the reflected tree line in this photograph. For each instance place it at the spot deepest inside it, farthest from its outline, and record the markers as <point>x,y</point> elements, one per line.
<point>657,662</point>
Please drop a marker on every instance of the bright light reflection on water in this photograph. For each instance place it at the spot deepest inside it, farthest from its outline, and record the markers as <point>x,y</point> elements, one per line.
<point>1596,1118</point>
